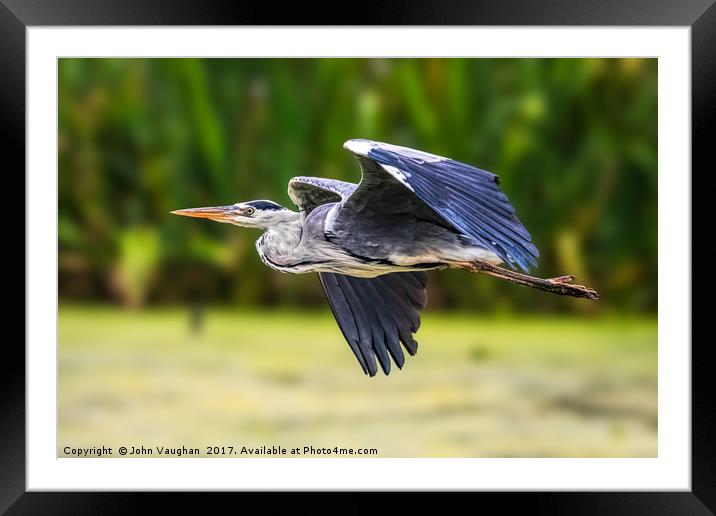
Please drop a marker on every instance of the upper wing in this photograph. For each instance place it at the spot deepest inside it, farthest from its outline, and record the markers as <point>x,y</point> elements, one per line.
<point>377,314</point>
<point>309,192</point>
<point>398,180</point>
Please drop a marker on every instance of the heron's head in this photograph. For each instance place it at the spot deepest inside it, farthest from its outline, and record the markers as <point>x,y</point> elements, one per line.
<point>253,214</point>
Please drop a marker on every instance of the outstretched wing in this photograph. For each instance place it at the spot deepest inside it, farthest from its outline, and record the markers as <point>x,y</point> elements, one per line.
<point>377,314</point>
<point>309,192</point>
<point>398,180</point>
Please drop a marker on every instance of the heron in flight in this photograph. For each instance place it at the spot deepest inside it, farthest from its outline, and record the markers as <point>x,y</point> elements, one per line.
<point>372,243</point>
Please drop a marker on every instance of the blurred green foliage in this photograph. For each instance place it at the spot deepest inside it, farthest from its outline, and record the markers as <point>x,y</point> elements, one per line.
<point>574,141</point>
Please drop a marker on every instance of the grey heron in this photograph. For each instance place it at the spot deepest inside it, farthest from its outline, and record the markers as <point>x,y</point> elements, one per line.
<point>372,243</point>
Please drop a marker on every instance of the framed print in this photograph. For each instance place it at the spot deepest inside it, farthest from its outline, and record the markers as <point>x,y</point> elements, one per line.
<point>418,152</point>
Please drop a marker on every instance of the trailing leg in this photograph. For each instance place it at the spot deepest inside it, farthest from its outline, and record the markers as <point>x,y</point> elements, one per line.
<point>561,285</point>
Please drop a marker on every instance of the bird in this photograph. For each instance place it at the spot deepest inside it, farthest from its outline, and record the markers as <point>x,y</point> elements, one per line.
<point>372,243</point>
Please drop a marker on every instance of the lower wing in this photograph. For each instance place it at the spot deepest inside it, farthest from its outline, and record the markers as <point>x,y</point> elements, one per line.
<point>377,314</point>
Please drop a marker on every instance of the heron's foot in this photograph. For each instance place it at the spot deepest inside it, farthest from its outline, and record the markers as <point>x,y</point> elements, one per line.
<point>564,286</point>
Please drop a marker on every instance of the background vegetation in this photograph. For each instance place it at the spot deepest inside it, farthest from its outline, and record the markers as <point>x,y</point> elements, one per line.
<point>172,332</point>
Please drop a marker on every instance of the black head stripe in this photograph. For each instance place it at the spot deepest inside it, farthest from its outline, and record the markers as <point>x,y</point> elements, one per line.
<point>264,205</point>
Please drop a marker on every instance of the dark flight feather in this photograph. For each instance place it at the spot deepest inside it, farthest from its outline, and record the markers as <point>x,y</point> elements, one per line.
<point>377,314</point>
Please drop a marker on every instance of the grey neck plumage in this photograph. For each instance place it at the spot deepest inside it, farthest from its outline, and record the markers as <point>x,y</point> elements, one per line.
<point>277,245</point>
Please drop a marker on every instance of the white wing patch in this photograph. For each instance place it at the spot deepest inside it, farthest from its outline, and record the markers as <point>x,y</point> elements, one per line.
<point>400,175</point>
<point>359,147</point>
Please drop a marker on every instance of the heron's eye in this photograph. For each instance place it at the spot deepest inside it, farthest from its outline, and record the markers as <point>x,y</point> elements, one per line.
<point>250,211</point>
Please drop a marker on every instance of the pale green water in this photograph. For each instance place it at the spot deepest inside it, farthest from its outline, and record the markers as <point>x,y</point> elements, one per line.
<point>478,387</point>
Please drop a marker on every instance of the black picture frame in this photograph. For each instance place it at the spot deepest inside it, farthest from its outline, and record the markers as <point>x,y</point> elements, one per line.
<point>17,15</point>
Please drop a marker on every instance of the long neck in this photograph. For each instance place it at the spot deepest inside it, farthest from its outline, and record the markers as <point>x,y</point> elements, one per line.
<point>282,238</point>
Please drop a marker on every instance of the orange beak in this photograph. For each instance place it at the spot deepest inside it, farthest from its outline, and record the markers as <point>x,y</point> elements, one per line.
<point>216,213</point>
